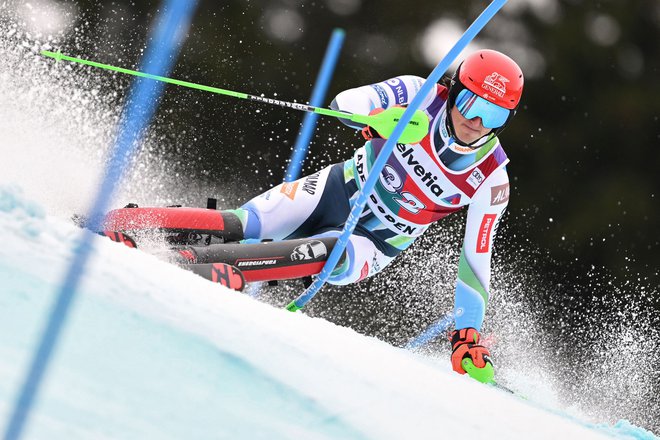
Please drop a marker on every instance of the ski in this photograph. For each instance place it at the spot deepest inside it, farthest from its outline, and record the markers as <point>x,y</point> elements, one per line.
<point>120,237</point>
<point>176,225</point>
<point>265,261</point>
<point>208,243</point>
<point>221,273</point>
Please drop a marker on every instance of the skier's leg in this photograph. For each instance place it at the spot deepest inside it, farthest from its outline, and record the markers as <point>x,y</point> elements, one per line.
<point>362,259</point>
<point>298,209</point>
<point>292,258</point>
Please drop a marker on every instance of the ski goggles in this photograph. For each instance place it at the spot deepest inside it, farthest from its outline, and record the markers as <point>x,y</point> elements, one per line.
<point>470,105</point>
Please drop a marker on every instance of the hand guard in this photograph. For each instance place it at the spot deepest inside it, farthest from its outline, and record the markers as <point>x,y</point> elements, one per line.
<point>465,344</point>
<point>369,133</point>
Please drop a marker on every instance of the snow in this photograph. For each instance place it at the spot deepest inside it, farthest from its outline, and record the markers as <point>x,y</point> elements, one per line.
<point>152,351</point>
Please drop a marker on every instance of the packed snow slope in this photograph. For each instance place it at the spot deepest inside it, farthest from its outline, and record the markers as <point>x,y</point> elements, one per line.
<point>153,351</point>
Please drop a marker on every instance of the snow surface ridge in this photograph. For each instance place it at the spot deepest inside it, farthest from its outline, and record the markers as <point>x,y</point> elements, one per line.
<point>353,386</point>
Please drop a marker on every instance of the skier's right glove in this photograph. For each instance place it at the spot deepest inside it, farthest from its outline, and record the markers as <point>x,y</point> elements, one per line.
<point>465,344</point>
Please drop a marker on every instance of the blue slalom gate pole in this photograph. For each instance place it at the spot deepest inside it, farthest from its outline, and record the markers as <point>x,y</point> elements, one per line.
<point>318,95</point>
<point>378,165</point>
<point>431,332</point>
<point>171,28</point>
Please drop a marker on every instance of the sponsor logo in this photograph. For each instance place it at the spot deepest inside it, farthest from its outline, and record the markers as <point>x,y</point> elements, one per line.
<point>227,275</point>
<point>461,149</point>
<point>476,178</point>
<point>359,167</point>
<point>293,105</point>
<point>453,200</point>
<point>499,194</point>
<point>252,263</point>
<point>364,272</point>
<point>443,127</point>
<point>428,179</point>
<point>400,93</point>
<point>393,221</point>
<point>384,100</point>
<point>409,202</point>
<point>495,83</point>
<point>374,264</point>
<point>309,185</point>
<point>390,179</point>
<point>309,251</point>
<point>267,195</point>
<point>483,240</point>
<point>289,189</point>
<point>381,212</point>
<point>219,274</point>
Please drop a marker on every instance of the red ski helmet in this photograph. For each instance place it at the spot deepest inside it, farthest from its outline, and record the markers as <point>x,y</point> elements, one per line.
<point>493,76</point>
<point>487,84</point>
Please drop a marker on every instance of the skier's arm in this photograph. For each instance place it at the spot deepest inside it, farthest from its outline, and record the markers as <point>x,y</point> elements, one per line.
<point>484,214</point>
<point>396,91</point>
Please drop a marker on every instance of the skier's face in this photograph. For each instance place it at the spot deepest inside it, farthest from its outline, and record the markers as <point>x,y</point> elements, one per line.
<point>467,130</point>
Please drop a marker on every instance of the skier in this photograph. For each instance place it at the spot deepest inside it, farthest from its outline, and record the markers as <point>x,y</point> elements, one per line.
<point>460,162</point>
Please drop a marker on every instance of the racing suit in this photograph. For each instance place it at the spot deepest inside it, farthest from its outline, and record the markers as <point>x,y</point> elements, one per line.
<point>420,184</point>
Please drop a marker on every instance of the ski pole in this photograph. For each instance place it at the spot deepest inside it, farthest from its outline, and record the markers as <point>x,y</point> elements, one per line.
<point>384,122</point>
<point>437,328</point>
<point>374,173</point>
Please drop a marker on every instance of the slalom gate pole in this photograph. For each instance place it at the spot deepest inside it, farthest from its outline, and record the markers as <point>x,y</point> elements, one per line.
<point>172,25</point>
<point>374,174</point>
<point>318,95</point>
<point>431,332</point>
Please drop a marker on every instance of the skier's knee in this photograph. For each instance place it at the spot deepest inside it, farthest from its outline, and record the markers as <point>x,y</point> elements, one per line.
<point>251,221</point>
<point>356,263</point>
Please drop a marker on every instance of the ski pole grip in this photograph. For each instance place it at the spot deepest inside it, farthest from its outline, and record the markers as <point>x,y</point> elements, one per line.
<point>483,375</point>
<point>293,307</point>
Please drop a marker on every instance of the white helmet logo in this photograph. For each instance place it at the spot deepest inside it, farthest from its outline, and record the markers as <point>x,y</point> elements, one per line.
<point>495,83</point>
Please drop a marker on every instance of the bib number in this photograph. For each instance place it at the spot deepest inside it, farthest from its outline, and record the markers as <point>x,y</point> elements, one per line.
<point>409,202</point>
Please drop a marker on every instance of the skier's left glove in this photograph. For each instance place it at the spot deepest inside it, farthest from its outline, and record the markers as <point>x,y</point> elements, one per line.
<point>465,344</point>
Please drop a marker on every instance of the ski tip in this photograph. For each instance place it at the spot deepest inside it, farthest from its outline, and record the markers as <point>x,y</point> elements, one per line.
<point>228,275</point>
<point>220,273</point>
